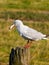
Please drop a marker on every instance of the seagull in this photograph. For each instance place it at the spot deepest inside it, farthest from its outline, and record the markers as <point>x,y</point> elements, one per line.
<point>28,33</point>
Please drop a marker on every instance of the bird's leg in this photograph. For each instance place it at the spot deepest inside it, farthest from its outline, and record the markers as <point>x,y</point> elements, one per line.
<point>28,44</point>
<point>27,41</point>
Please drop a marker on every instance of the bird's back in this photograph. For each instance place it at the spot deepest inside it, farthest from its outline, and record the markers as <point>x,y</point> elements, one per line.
<point>32,34</point>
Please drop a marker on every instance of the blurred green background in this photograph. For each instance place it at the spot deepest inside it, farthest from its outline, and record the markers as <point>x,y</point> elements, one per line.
<point>35,14</point>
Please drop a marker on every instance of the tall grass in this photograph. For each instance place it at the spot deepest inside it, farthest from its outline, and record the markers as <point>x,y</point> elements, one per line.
<point>25,4</point>
<point>8,39</point>
<point>36,16</point>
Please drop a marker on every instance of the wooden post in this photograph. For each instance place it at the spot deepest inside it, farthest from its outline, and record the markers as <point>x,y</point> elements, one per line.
<point>19,56</point>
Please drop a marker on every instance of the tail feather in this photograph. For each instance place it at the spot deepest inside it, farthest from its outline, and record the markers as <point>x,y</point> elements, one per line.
<point>47,36</point>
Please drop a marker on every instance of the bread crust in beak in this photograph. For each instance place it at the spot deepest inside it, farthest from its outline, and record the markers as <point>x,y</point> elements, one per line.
<point>11,27</point>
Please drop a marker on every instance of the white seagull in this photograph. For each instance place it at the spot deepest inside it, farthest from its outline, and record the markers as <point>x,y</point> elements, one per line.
<point>27,32</point>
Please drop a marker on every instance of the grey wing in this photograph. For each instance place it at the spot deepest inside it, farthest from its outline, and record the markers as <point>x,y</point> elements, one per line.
<point>32,34</point>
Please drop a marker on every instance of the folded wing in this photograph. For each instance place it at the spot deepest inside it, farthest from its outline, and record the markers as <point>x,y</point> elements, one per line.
<point>32,34</point>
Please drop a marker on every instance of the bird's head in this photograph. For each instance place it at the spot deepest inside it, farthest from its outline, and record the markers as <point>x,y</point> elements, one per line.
<point>16,23</point>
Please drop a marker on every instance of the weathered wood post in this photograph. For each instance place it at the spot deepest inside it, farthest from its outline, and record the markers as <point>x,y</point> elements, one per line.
<point>19,56</point>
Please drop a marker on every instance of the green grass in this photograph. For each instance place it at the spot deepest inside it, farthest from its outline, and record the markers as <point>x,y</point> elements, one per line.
<point>25,4</point>
<point>36,10</point>
<point>36,16</point>
<point>8,39</point>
